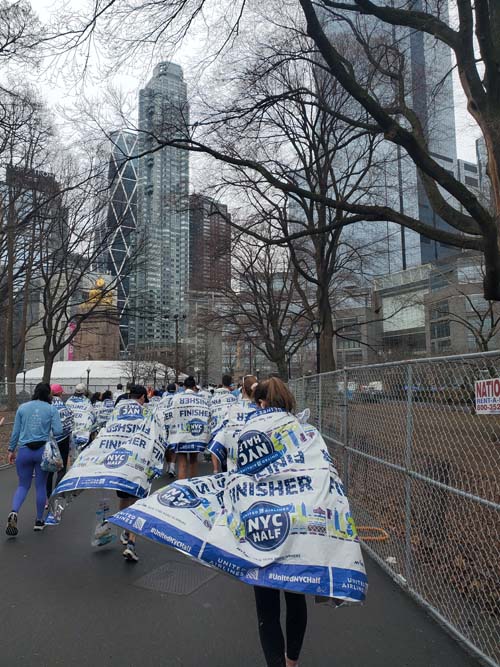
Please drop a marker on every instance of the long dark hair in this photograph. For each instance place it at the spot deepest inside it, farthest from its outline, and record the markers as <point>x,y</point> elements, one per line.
<point>42,393</point>
<point>95,397</point>
<point>275,392</point>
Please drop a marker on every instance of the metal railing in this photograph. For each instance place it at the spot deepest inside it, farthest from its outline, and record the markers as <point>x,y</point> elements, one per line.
<point>420,464</point>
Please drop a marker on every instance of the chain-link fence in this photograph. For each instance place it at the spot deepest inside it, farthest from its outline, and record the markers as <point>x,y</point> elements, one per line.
<point>422,470</point>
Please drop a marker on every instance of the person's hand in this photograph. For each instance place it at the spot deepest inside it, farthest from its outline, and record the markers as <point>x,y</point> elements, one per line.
<point>11,458</point>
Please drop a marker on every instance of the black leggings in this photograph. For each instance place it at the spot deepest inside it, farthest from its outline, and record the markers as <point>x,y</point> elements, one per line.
<point>64,449</point>
<point>271,636</point>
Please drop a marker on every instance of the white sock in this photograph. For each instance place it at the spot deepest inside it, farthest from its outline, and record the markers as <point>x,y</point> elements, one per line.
<point>171,467</point>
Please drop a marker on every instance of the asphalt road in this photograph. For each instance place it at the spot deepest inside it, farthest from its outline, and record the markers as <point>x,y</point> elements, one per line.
<point>66,603</point>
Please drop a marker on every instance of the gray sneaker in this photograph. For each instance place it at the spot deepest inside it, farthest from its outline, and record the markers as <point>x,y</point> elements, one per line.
<point>130,554</point>
<point>11,529</point>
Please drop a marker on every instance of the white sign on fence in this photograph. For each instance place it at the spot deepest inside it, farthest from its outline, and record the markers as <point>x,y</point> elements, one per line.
<point>487,393</point>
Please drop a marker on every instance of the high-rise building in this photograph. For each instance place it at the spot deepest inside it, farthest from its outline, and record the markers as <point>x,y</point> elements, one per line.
<point>396,183</point>
<point>159,281</point>
<point>121,222</point>
<point>35,221</point>
<point>209,244</point>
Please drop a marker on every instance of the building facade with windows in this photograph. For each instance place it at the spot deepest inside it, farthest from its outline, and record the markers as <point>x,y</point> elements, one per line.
<point>209,244</point>
<point>458,318</point>
<point>395,181</point>
<point>159,281</point>
<point>432,310</point>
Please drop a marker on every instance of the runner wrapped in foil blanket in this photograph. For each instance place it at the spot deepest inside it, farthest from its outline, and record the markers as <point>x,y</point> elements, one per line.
<point>280,520</point>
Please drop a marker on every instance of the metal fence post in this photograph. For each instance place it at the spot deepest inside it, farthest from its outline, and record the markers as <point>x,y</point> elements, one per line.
<point>320,404</point>
<point>345,430</point>
<point>407,465</point>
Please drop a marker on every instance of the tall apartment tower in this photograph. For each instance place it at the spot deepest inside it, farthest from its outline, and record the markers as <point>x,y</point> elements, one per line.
<point>210,244</point>
<point>160,280</point>
<point>121,222</point>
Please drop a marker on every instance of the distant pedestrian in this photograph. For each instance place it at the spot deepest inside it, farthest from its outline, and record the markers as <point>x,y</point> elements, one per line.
<point>118,392</point>
<point>222,400</point>
<point>104,408</point>
<point>224,442</point>
<point>64,440</point>
<point>95,398</point>
<point>125,395</point>
<point>34,423</point>
<point>84,415</point>
<point>137,393</point>
<point>187,426</point>
<point>165,405</point>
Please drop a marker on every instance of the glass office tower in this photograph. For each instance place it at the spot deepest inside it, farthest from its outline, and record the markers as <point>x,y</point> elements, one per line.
<point>121,222</point>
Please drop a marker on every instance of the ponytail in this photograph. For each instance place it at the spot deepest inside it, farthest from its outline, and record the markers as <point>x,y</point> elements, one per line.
<point>276,394</point>
<point>248,383</point>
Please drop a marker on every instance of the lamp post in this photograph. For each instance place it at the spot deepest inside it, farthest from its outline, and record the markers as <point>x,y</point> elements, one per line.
<point>316,327</point>
<point>257,371</point>
<point>289,363</point>
<point>197,371</point>
<point>176,318</point>
<point>24,380</point>
<point>154,378</point>
<point>88,378</point>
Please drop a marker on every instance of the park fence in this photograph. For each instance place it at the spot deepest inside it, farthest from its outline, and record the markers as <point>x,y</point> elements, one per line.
<point>422,471</point>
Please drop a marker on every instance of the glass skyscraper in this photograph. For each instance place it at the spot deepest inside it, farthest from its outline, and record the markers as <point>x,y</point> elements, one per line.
<point>159,281</point>
<point>122,221</point>
<point>395,179</point>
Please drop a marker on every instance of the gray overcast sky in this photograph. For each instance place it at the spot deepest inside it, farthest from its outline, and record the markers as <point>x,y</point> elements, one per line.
<point>60,91</point>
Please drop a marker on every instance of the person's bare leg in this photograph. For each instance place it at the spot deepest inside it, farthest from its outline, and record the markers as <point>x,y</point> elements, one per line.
<point>193,464</point>
<point>182,466</point>
<point>123,503</point>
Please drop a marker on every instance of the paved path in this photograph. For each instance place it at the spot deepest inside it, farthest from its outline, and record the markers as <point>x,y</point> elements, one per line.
<point>64,603</point>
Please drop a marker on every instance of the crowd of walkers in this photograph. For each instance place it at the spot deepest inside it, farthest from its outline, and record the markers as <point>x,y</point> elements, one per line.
<point>198,422</point>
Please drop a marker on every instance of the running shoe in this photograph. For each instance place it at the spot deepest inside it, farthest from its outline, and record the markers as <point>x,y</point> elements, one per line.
<point>124,535</point>
<point>130,554</point>
<point>11,529</point>
<point>39,525</point>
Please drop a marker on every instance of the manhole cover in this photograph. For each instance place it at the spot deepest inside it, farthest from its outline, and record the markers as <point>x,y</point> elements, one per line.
<point>176,578</point>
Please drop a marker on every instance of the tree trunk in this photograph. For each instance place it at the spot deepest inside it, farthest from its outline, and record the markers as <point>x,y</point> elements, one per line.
<point>327,359</point>
<point>282,367</point>
<point>10,369</point>
<point>47,367</point>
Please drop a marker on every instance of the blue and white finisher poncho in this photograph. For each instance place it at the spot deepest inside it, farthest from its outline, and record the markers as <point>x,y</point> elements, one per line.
<point>126,456</point>
<point>222,400</point>
<point>281,520</point>
<point>85,420</point>
<point>224,442</point>
<point>187,422</point>
<point>104,409</point>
